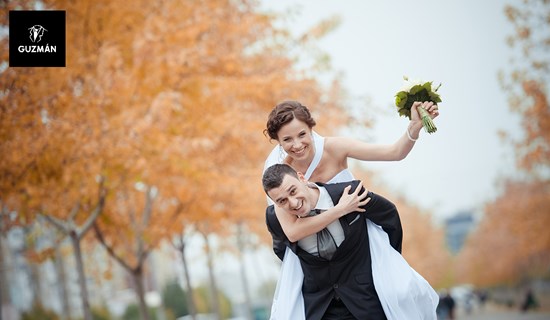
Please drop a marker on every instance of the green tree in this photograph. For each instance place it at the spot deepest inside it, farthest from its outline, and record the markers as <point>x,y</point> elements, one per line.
<point>133,312</point>
<point>39,312</point>
<point>174,298</point>
<point>101,313</point>
<point>203,296</point>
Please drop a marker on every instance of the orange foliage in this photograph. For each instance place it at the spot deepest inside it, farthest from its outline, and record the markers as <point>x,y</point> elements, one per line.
<point>39,256</point>
<point>527,83</point>
<point>512,241</point>
<point>170,97</point>
<point>534,149</point>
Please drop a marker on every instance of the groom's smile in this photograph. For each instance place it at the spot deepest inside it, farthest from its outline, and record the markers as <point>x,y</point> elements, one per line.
<point>294,195</point>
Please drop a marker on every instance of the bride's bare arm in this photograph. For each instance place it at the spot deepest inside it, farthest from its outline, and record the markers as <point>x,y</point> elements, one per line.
<point>344,148</point>
<point>298,228</point>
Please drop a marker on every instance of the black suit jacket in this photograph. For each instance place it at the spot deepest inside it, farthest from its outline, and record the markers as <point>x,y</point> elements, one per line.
<point>348,274</point>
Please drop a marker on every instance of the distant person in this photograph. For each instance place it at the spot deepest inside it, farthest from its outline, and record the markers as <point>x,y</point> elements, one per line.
<point>469,303</point>
<point>482,296</point>
<point>449,304</point>
<point>530,301</point>
<point>442,310</point>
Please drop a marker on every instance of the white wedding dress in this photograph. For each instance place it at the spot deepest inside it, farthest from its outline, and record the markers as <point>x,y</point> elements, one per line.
<point>404,294</point>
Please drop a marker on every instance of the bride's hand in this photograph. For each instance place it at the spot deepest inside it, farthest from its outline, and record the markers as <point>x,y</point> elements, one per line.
<point>351,202</point>
<point>431,107</point>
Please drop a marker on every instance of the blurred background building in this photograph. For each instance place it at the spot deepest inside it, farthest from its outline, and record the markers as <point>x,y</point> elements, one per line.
<point>457,228</point>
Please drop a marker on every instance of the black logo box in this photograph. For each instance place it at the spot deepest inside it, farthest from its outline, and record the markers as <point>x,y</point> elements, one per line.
<point>39,53</point>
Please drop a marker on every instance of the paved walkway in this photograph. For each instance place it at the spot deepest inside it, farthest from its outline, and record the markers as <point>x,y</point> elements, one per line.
<point>496,313</point>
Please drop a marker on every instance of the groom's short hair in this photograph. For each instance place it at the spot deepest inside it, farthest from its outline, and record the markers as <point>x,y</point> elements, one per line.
<point>274,175</point>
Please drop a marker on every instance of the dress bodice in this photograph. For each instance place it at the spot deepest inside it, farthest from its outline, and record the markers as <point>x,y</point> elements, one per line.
<point>342,176</point>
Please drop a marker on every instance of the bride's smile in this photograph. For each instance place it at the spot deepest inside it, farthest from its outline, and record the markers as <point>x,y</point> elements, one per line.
<point>300,152</point>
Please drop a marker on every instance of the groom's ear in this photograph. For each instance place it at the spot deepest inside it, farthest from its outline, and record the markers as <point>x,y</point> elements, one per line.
<point>301,177</point>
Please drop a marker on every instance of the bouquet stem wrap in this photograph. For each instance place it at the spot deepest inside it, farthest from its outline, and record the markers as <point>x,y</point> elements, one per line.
<point>427,122</point>
<point>417,91</point>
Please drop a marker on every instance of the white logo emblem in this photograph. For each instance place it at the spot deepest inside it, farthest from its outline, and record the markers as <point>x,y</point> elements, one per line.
<point>37,32</point>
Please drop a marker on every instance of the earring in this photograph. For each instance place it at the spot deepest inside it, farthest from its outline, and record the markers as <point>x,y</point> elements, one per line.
<point>281,154</point>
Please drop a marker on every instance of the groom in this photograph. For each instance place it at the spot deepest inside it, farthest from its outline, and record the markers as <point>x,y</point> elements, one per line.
<point>340,286</point>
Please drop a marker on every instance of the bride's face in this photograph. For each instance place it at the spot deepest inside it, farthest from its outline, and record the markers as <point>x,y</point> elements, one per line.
<point>296,139</point>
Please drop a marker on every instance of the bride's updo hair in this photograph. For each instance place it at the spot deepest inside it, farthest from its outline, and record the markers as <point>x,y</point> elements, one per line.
<point>285,112</point>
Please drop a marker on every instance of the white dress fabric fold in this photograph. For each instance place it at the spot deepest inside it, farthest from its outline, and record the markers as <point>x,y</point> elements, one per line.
<point>288,302</point>
<point>404,294</point>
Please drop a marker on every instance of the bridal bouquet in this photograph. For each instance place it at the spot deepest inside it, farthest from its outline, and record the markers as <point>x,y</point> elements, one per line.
<point>417,90</point>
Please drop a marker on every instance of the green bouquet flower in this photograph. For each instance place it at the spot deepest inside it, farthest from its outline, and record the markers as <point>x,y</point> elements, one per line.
<point>421,91</point>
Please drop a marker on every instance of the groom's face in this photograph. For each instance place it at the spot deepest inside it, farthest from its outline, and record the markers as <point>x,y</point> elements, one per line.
<point>294,195</point>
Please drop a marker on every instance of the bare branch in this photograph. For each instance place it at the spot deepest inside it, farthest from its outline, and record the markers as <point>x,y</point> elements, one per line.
<point>97,211</point>
<point>58,223</point>
<point>74,211</point>
<point>148,209</point>
<point>110,250</point>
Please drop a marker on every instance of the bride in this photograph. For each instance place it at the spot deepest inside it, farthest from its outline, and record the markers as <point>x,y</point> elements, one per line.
<point>404,294</point>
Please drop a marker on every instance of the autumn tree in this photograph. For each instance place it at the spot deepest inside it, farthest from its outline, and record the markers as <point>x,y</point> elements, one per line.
<point>155,123</point>
<point>514,226</point>
<point>158,99</point>
<point>180,244</point>
<point>513,232</point>
<point>206,77</point>
<point>527,83</point>
<point>6,223</point>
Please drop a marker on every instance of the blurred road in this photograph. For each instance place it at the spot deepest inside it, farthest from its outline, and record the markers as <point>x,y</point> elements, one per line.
<point>490,312</point>
<point>506,316</point>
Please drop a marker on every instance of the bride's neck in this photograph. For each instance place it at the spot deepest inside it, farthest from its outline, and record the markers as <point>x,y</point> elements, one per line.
<point>300,165</point>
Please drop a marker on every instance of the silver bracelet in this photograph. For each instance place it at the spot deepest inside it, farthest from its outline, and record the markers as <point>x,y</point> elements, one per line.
<point>409,136</point>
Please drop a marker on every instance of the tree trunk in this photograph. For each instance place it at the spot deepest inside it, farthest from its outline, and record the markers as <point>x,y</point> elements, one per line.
<point>34,270</point>
<point>4,286</point>
<point>36,283</point>
<point>213,286</point>
<point>189,296</point>
<point>75,240</point>
<point>76,234</point>
<point>137,275</point>
<point>240,245</point>
<point>63,288</point>
<point>159,309</point>
<point>135,272</point>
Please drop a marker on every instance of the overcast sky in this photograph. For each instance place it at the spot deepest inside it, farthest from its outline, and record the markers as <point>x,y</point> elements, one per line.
<point>459,43</point>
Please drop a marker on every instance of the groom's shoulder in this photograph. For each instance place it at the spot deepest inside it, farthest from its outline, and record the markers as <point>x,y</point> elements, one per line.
<point>273,224</point>
<point>270,213</point>
<point>335,186</point>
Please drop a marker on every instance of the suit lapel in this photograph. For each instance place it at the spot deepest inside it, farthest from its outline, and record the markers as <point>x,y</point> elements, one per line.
<point>335,190</point>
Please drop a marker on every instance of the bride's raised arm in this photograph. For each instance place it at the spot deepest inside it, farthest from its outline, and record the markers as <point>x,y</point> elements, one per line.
<point>343,148</point>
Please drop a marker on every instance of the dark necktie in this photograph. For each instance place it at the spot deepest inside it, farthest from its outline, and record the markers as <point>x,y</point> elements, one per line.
<point>326,246</point>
